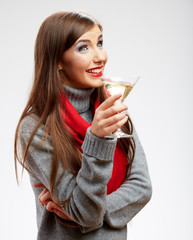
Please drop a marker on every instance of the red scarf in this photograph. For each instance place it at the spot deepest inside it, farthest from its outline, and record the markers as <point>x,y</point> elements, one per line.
<point>78,126</point>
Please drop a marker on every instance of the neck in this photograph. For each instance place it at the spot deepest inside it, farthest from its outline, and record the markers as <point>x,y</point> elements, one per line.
<point>79,98</point>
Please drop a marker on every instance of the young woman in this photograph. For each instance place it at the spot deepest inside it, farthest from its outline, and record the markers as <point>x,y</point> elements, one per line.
<point>96,185</point>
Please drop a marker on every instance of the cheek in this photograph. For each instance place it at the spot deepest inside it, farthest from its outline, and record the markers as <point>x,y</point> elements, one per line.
<point>105,56</point>
<point>75,61</point>
<point>83,62</point>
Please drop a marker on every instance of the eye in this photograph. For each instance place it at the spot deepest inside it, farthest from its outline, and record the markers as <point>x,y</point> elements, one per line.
<point>83,48</point>
<point>100,43</point>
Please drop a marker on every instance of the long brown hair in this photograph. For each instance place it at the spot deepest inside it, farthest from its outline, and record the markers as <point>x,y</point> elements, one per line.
<point>56,35</point>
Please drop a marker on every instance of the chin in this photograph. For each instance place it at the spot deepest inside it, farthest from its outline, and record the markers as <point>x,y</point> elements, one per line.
<point>97,83</point>
<point>94,82</point>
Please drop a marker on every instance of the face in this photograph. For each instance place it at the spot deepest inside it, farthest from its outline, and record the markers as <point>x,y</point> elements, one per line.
<point>83,64</point>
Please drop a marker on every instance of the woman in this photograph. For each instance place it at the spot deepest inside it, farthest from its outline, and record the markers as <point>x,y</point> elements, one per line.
<point>99,184</point>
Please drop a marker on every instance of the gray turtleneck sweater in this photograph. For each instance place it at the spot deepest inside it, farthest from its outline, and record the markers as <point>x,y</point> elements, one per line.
<point>98,215</point>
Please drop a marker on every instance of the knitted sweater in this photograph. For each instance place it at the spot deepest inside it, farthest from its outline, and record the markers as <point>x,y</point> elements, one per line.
<point>98,215</point>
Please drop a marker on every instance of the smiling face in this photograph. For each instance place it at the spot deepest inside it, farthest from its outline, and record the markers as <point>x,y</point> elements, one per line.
<point>83,64</point>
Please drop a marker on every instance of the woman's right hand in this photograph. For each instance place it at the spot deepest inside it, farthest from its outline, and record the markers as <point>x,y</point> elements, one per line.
<point>109,117</point>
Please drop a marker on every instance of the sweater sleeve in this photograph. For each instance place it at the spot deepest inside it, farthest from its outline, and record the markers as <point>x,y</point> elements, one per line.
<point>87,204</point>
<point>133,194</point>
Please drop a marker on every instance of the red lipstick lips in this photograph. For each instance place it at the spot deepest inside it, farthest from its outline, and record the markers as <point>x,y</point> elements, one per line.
<point>95,72</point>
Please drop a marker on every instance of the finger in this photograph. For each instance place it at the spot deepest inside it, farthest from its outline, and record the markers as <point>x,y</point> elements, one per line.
<point>63,215</point>
<point>110,101</point>
<point>45,197</point>
<point>41,194</point>
<point>39,185</point>
<point>113,110</point>
<point>112,128</point>
<point>113,119</point>
<point>52,207</point>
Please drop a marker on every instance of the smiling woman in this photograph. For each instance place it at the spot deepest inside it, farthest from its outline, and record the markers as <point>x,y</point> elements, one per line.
<point>86,186</point>
<point>84,62</point>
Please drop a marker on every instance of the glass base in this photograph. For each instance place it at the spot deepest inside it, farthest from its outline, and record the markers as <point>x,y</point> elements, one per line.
<point>119,134</point>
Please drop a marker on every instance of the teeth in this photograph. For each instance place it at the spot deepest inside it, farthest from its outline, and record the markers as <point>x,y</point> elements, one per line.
<point>94,71</point>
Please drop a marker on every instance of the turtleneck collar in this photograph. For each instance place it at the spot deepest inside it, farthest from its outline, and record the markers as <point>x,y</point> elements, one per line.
<point>79,98</point>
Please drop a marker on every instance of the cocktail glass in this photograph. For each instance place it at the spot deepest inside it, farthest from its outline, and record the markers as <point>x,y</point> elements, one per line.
<point>123,85</point>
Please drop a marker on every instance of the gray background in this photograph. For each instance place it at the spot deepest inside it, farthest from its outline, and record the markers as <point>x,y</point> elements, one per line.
<point>152,38</point>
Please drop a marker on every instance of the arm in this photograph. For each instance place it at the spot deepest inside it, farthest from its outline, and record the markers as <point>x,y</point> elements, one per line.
<point>129,199</point>
<point>133,194</point>
<point>87,205</point>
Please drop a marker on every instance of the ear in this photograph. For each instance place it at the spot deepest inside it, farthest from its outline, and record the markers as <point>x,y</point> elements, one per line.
<point>60,67</point>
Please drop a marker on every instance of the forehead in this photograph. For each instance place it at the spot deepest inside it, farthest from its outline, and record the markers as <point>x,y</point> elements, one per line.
<point>94,32</point>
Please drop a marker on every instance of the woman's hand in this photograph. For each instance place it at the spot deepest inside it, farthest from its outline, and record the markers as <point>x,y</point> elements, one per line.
<point>46,200</point>
<point>109,117</point>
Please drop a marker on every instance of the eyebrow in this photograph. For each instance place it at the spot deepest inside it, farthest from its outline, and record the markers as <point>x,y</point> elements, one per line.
<point>87,40</point>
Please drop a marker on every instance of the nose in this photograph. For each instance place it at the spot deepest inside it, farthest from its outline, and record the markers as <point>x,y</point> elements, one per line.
<point>100,56</point>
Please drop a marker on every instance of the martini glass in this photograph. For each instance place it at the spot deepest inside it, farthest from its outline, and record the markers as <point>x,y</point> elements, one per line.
<point>123,85</point>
